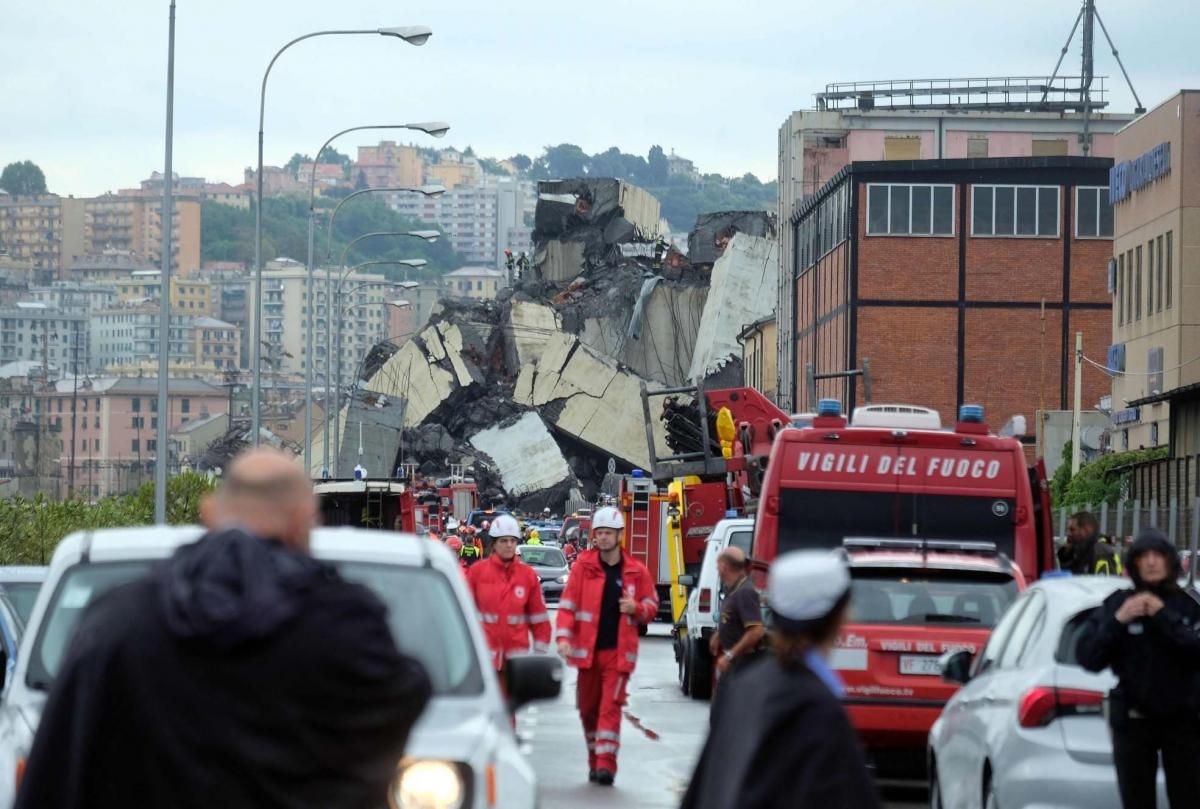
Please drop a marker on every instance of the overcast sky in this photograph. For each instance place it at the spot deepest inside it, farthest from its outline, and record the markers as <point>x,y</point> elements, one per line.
<point>82,83</point>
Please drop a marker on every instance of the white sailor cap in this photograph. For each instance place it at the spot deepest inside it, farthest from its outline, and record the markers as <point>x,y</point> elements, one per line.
<point>806,586</point>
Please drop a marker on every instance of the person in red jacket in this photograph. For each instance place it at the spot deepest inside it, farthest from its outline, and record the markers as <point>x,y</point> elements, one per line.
<point>608,594</point>
<point>508,594</point>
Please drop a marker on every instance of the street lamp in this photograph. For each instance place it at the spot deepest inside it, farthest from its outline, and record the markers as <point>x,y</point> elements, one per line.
<point>413,35</point>
<point>437,129</point>
<point>337,386</point>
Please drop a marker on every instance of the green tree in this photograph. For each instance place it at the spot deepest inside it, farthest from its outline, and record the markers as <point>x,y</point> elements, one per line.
<point>656,162</point>
<point>1104,480</point>
<point>23,178</point>
<point>565,160</point>
<point>521,161</point>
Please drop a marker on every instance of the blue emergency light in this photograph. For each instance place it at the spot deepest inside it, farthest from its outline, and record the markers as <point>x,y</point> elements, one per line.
<point>971,414</point>
<point>730,513</point>
<point>637,473</point>
<point>829,408</point>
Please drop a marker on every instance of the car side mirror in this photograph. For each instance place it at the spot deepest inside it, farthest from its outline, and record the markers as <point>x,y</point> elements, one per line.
<point>956,666</point>
<point>532,677</point>
<point>687,580</point>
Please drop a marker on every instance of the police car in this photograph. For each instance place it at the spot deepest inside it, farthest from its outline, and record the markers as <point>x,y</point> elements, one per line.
<point>462,753</point>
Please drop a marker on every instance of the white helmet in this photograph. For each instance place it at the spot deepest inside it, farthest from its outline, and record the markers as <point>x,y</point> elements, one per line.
<point>504,525</point>
<point>608,517</point>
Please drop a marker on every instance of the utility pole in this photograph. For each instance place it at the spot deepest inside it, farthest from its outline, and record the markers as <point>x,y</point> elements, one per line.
<point>164,315</point>
<point>1076,415</point>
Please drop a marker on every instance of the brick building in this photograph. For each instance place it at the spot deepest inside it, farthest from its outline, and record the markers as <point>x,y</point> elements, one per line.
<point>934,275</point>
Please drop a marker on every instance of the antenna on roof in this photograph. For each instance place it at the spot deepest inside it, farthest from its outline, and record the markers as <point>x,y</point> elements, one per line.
<point>1090,16</point>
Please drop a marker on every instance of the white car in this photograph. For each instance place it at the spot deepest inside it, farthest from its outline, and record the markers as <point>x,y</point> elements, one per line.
<point>463,747</point>
<point>704,607</point>
<point>1027,729</point>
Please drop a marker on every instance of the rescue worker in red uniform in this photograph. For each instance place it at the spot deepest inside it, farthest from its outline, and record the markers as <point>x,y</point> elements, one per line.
<point>508,594</point>
<point>608,594</point>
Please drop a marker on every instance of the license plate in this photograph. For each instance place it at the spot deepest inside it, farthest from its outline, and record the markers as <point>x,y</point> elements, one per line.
<point>919,664</point>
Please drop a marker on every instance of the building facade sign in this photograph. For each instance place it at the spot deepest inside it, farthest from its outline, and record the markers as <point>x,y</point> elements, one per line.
<point>1133,175</point>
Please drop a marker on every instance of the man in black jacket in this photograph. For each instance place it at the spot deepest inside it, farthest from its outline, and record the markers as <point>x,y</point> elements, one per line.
<point>1084,554</point>
<point>241,673</point>
<point>1149,636</point>
<point>780,737</point>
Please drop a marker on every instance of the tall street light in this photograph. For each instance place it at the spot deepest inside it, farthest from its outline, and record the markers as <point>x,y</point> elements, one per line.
<point>164,309</point>
<point>413,35</point>
<point>331,384</point>
<point>437,129</point>
<point>337,387</point>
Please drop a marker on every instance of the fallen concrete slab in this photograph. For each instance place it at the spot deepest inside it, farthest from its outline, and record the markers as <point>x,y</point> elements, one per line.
<point>742,290</point>
<point>525,455</point>
<point>527,327</point>
<point>713,232</point>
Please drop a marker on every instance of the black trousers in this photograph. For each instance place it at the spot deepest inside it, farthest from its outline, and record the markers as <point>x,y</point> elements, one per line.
<point>1136,748</point>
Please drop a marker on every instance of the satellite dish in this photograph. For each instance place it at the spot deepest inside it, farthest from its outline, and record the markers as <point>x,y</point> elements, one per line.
<point>1093,436</point>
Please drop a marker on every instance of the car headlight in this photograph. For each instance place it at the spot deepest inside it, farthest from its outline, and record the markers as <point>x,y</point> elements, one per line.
<point>428,784</point>
<point>562,579</point>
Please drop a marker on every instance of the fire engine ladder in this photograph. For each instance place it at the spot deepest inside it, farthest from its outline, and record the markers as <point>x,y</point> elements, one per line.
<point>639,522</point>
<point>373,513</point>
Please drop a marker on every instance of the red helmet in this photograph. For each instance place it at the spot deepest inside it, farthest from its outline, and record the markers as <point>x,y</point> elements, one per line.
<point>454,544</point>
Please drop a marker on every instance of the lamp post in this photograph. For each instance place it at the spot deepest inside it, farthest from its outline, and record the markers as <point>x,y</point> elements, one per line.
<point>337,386</point>
<point>413,35</point>
<point>437,129</point>
<point>164,308</point>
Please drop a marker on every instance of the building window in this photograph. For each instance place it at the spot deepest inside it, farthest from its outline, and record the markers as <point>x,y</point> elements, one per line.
<point>1137,284</point>
<point>135,445</point>
<point>1125,439</point>
<point>1014,210</point>
<point>1154,368</point>
<point>137,403</point>
<point>1154,433</point>
<point>1056,147</point>
<point>902,148</point>
<point>1158,274</point>
<point>977,146</point>
<point>1120,289</point>
<point>1129,286</point>
<point>151,445</point>
<point>910,210</point>
<point>1093,214</point>
<point>1168,283</point>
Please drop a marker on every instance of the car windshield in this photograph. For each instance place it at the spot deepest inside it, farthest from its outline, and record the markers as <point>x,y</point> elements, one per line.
<point>545,557</point>
<point>809,518</point>
<point>917,597</point>
<point>23,595</point>
<point>440,639</point>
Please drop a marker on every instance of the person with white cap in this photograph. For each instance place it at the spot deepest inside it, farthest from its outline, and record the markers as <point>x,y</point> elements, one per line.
<point>780,736</point>
<point>608,594</point>
<point>508,595</point>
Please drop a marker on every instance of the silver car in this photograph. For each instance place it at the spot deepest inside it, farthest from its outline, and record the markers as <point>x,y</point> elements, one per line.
<point>463,747</point>
<point>1027,729</point>
<point>551,567</point>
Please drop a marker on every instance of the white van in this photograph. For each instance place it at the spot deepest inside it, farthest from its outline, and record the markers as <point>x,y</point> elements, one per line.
<point>704,607</point>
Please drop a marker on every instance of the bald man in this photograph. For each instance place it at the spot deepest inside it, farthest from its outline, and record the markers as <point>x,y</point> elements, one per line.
<point>739,636</point>
<point>241,672</point>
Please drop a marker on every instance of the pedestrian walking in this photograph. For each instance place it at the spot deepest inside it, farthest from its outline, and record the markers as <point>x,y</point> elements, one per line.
<point>1149,635</point>
<point>508,594</point>
<point>1084,554</point>
<point>740,633</point>
<point>608,594</point>
<point>780,736</point>
<point>240,672</point>
<point>472,548</point>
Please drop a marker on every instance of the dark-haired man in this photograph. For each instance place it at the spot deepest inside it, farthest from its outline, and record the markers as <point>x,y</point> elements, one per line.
<point>1084,554</point>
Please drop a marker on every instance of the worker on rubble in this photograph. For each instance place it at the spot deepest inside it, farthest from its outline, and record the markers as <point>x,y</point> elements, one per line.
<point>608,594</point>
<point>508,594</point>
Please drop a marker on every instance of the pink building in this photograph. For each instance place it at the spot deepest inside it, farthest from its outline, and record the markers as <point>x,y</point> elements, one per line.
<point>114,427</point>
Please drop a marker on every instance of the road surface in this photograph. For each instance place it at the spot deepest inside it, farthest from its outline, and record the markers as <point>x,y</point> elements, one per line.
<point>660,740</point>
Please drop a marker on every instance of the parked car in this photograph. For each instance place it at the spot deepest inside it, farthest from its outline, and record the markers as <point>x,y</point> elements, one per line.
<point>1027,728</point>
<point>464,743</point>
<point>21,583</point>
<point>551,567</point>
<point>704,607</point>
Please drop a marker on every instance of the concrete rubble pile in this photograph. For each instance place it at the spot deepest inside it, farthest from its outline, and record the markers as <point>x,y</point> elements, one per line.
<point>539,391</point>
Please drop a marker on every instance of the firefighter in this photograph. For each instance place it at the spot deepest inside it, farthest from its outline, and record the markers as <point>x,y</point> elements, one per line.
<point>508,594</point>
<point>608,594</point>
<point>455,546</point>
<point>1084,554</point>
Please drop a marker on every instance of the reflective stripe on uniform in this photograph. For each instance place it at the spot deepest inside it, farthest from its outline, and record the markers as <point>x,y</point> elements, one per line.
<point>566,604</point>
<point>650,602</point>
<point>489,617</point>
<point>607,749</point>
<point>584,616</point>
<point>579,653</point>
<point>513,620</point>
<point>540,618</point>
<point>562,634</point>
<point>608,735</point>
<point>631,657</point>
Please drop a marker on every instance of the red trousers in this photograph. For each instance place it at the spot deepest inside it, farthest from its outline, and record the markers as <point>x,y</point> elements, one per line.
<point>600,695</point>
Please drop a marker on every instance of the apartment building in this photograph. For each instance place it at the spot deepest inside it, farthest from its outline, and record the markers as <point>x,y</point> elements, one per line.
<point>45,230</point>
<point>132,221</point>
<point>389,164</point>
<point>108,265</point>
<point>40,333</point>
<point>478,283</point>
<point>73,297</point>
<point>125,339</point>
<point>189,295</point>
<point>906,120</point>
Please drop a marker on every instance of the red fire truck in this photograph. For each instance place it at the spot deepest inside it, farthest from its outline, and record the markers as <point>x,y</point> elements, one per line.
<point>942,529</point>
<point>396,505</point>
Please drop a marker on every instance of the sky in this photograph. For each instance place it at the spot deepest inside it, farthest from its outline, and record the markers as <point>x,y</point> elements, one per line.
<point>83,84</point>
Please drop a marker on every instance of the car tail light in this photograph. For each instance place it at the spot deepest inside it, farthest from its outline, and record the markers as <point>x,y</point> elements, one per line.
<point>20,774</point>
<point>1042,705</point>
<point>705,599</point>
